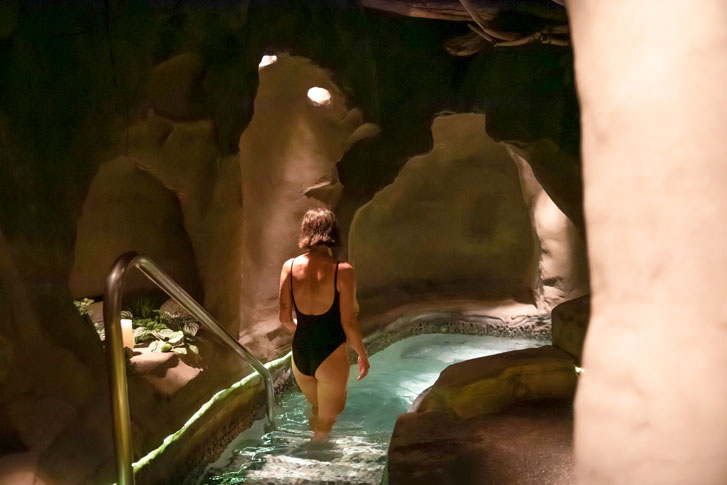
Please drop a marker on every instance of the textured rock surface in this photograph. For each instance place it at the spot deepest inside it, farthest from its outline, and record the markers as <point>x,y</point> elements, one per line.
<point>654,169</point>
<point>453,217</point>
<point>528,443</point>
<point>20,469</point>
<point>529,96</point>
<point>563,265</point>
<point>569,325</point>
<point>287,153</point>
<point>493,383</point>
<point>175,88</point>
<point>165,371</point>
<point>186,159</point>
<point>129,210</point>
<point>174,315</point>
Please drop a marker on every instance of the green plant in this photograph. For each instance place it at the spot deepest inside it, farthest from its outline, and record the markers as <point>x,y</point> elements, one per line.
<point>163,338</point>
<point>144,306</point>
<point>83,305</point>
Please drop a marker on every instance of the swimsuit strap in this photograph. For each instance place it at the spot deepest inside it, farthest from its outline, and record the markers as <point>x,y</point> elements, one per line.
<point>291,284</point>
<point>335,280</point>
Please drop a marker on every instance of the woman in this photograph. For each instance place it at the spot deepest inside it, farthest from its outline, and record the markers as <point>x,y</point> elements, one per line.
<point>322,292</point>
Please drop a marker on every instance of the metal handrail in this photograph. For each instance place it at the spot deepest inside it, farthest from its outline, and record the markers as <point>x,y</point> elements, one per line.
<point>115,352</point>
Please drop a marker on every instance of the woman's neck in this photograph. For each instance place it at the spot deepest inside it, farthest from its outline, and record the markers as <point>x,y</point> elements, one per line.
<point>320,250</point>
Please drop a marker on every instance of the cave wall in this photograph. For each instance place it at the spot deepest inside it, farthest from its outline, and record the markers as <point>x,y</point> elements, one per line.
<point>170,90</point>
<point>562,272</point>
<point>74,79</point>
<point>453,223</point>
<point>125,210</point>
<point>288,157</point>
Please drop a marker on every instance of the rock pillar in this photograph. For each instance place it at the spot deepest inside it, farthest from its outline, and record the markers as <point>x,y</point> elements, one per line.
<point>652,404</point>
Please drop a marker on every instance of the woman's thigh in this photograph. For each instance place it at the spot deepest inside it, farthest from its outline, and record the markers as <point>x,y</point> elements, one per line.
<point>332,377</point>
<point>308,385</point>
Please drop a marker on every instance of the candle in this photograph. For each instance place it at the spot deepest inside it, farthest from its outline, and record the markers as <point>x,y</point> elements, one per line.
<point>127,333</point>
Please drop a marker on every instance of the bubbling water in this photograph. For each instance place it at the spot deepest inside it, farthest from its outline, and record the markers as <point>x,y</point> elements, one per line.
<point>356,450</point>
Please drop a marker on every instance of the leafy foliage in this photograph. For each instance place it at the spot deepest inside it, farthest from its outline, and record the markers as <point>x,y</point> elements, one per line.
<point>144,306</point>
<point>83,305</point>
<point>165,339</point>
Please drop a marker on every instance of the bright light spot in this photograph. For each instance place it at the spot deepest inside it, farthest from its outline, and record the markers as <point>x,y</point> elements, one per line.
<point>127,333</point>
<point>319,96</point>
<point>579,370</point>
<point>267,60</point>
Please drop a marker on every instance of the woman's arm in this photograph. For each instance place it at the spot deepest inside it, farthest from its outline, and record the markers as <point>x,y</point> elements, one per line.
<point>349,319</point>
<point>286,302</point>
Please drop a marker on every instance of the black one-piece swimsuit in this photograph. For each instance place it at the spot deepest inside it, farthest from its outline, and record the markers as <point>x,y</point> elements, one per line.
<point>316,336</point>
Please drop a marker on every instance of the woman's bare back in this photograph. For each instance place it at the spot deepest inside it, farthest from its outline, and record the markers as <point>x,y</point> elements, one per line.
<point>313,279</point>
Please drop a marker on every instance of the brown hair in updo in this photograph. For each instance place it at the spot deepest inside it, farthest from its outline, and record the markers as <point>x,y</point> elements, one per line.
<point>319,226</point>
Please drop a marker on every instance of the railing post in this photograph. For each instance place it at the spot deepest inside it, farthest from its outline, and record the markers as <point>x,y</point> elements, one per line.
<point>116,360</point>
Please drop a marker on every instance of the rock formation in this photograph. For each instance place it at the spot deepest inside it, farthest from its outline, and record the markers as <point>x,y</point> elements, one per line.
<point>128,210</point>
<point>651,402</point>
<point>562,267</point>
<point>503,418</point>
<point>288,156</point>
<point>453,218</point>
<point>570,322</point>
<point>493,383</point>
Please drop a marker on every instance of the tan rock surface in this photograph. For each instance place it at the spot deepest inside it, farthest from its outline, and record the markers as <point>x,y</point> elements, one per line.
<point>530,443</point>
<point>452,217</point>
<point>127,209</point>
<point>570,323</point>
<point>493,383</point>
<point>563,263</point>
<point>175,88</point>
<point>652,402</point>
<point>185,158</point>
<point>20,469</point>
<point>288,156</point>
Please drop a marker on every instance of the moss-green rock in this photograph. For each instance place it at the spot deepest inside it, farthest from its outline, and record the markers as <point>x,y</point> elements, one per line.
<point>493,383</point>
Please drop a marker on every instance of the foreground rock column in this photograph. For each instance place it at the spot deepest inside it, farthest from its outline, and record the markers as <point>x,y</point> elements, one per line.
<point>652,403</point>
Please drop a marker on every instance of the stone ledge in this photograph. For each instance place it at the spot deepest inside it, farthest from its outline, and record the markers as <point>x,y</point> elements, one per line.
<point>529,443</point>
<point>493,383</point>
<point>570,323</point>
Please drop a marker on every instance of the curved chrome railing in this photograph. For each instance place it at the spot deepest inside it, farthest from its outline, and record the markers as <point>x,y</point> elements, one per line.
<point>115,352</point>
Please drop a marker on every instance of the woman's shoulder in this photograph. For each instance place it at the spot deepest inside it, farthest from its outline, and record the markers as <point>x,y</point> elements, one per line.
<point>345,269</point>
<point>287,264</point>
<point>344,265</point>
<point>295,258</point>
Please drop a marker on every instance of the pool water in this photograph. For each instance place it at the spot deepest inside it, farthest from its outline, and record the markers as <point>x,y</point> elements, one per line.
<point>356,450</point>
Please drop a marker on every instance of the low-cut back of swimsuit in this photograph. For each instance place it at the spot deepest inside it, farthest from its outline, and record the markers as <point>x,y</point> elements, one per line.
<point>316,336</point>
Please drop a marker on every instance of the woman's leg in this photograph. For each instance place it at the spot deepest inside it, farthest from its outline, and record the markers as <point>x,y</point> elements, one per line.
<point>308,385</point>
<point>332,377</point>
